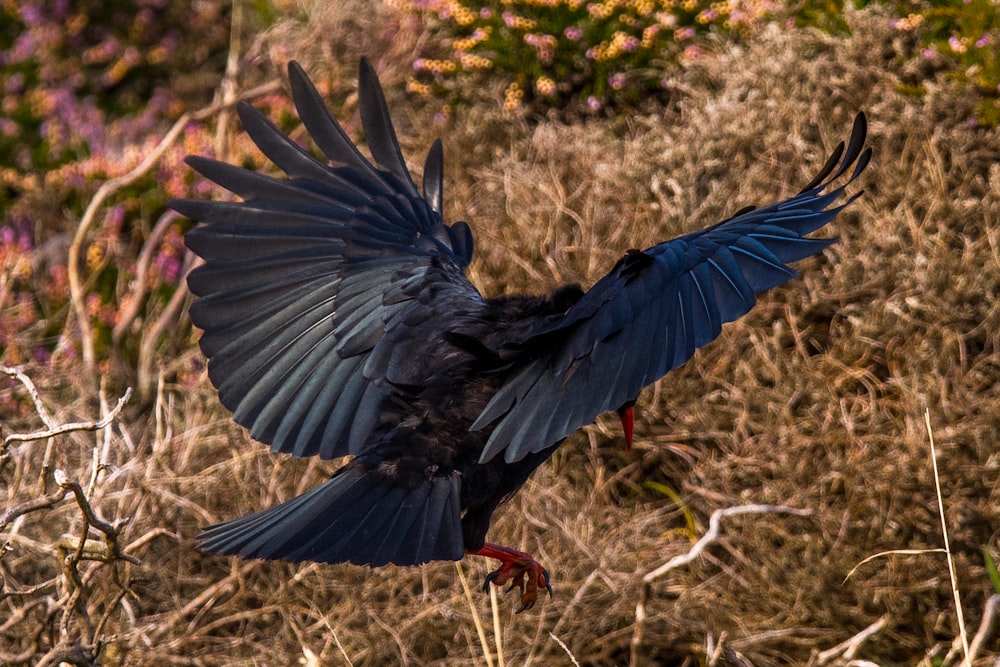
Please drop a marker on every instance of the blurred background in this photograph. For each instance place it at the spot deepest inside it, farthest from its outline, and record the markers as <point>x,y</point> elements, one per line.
<point>573,131</point>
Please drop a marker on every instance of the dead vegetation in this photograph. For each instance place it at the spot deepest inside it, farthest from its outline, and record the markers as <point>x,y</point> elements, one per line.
<point>815,401</point>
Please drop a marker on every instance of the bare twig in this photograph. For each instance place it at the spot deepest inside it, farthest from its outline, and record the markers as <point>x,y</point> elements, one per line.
<point>33,505</point>
<point>714,530</point>
<point>112,186</point>
<point>150,338</point>
<point>848,648</point>
<point>985,626</point>
<point>110,530</point>
<point>131,311</point>
<point>40,408</point>
<point>78,640</point>
<point>60,429</point>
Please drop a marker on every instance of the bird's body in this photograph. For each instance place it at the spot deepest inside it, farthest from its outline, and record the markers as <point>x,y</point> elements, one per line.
<point>338,321</point>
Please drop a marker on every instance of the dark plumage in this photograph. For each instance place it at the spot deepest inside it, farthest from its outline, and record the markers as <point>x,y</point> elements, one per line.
<point>338,321</point>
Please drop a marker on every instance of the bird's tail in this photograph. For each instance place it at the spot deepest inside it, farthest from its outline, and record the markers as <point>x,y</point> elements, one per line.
<point>357,516</point>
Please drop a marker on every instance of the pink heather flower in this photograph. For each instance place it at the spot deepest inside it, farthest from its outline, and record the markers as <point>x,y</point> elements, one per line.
<point>485,12</point>
<point>509,19</point>
<point>593,103</point>
<point>928,53</point>
<point>617,81</point>
<point>14,84</point>
<point>418,64</point>
<point>116,218</point>
<point>983,41</point>
<point>573,33</point>
<point>682,34</point>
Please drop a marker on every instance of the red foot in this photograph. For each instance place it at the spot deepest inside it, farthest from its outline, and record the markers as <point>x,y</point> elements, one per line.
<point>518,568</point>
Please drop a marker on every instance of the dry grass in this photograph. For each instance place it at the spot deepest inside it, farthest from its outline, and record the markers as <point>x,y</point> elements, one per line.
<point>815,401</point>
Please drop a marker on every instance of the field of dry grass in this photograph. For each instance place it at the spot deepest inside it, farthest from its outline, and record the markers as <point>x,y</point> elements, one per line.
<point>814,401</point>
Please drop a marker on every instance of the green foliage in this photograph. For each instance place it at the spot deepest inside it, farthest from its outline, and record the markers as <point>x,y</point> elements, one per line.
<point>964,34</point>
<point>592,55</point>
<point>564,52</point>
<point>991,568</point>
<point>88,91</point>
<point>689,520</point>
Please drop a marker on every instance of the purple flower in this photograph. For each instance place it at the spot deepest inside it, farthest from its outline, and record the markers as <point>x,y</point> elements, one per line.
<point>14,84</point>
<point>593,103</point>
<point>573,33</point>
<point>617,81</point>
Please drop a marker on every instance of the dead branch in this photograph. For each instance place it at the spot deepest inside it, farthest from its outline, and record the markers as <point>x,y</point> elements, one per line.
<point>53,430</point>
<point>712,535</point>
<point>130,312</point>
<point>846,650</point>
<point>110,530</point>
<point>78,641</point>
<point>28,506</point>
<point>40,408</point>
<point>112,186</point>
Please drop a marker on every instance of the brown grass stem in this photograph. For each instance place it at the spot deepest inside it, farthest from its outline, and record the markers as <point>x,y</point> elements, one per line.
<point>476,621</point>
<point>947,547</point>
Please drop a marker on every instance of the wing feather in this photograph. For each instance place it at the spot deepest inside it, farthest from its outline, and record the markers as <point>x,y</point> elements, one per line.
<point>655,309</point>
<point>304,277</point>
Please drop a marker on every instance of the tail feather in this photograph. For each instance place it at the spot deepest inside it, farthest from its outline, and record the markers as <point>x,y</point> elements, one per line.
<point>357,516</point>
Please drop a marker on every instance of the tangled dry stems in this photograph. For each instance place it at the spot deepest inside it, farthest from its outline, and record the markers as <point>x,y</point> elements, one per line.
<point>814,401</point>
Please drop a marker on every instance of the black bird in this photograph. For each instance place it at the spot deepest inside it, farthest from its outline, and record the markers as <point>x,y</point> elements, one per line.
<point>338,321</point>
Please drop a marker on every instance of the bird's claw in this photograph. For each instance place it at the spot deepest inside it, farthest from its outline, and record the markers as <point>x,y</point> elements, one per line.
<point>526,575</point>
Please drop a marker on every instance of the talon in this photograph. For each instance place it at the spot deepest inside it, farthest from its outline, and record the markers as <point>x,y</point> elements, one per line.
<point>490,578</point>
<point>519,569</point>
<point>525,606</point>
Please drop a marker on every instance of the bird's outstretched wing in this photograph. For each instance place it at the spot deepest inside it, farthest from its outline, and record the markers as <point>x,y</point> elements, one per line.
<point>310,283</point>
<point>654,309</point>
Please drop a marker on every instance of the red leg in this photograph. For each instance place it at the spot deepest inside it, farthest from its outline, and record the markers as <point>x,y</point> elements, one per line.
<point>518,568</point>
<point>627,414</point>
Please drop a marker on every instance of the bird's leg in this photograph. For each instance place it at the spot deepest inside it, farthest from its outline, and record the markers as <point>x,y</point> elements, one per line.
<point>627,414</point>
<point>518,568</point>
